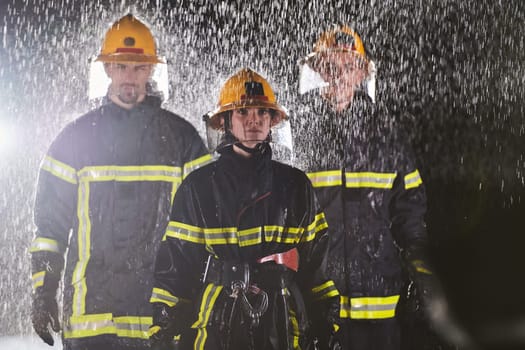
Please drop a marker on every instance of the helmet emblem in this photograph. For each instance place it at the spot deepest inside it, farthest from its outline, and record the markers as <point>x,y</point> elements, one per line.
<point>254,90</point>
<point>129,41</point>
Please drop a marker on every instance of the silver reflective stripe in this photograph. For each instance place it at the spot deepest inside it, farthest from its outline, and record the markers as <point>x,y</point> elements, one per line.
<point>130,173</point>
<point>46,244</point>
<point>91,325</point>
<point>326,178</point>
<point>172,300</point>
<point>38,279</point>
<point>369,179</point>
<point>317,225</point>
<point>83,250</point>
<point>413,180</point>
<point>249,237</point>
<point>368,307</point>
<point>132,326</point>
<point>280,234</point>
<point>196,163</point>
<point>59,169</point>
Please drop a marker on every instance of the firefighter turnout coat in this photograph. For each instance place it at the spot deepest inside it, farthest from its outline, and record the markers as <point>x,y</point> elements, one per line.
<point>236,211</point>
<point>104,195</point>
<point>372,195</point>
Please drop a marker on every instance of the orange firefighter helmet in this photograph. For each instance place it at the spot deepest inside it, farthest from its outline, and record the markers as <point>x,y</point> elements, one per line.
<point>245,89</point>
<point>129,41</point>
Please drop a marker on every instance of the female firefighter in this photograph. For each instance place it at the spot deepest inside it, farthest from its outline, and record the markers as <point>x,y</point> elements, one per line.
<point>243,259</point>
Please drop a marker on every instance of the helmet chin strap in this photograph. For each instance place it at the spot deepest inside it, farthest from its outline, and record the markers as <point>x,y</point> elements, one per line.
<point>258,149</point>
<point>230,139</point>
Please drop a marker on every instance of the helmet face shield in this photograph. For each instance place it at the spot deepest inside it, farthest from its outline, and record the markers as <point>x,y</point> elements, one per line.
<point>99,82</point>
<point>337,53</point>
<point>310,77</point>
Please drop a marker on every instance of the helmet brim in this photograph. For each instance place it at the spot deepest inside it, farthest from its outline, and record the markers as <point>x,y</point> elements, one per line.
<point>215,120</point>
<point>128,58</point>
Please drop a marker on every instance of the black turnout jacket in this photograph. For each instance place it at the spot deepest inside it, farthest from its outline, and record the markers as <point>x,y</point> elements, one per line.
<point>373,197</point>
<point>105,191</point>
<point>237,210</point>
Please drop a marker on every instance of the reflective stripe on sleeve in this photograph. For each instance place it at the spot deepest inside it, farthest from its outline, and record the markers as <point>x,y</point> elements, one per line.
<point>196,163</point>
<point>163,296</point>
<point>327,178</point>
<point>59,169</point>
<point>325,291</point>
<point>46,244</point>
<point>413,180</point>
<point>317,225</point>
<point>368,307</point>
<point>38,279</point>
<point>369,180</point>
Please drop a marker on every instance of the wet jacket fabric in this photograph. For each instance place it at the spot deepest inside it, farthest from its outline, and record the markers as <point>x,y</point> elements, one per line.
<point>372,195</point>
<point>105,192</point>
<point>236,211</point>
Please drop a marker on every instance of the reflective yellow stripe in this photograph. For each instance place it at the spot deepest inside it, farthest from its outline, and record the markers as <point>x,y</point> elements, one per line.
<point>325,291</point>
<point>133,326</point>
<point>130,173</point>
<point>413,180</point>
<point>84,247</point>
<point>247,237</point>
<point>369,179</point>
<point>59,169</point>
<point>226,235</point>
<point>421,267</point>
<point>196,163</point>
<point>165,297</point>
<point>38,279</point>
<point>368,307</point>
<point>89,325</point>
<point>327,178</point>
<point>86,176</point>
<point>200,339</point>
<point>208,301</point>
<point>46,244</point>
<point>98,324</point>
<point>317,225</point>
<point>295,329</point>
<point>280,234</point>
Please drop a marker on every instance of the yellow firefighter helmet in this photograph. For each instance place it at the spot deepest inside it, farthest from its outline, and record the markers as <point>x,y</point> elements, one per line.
<point>340,38</point>
<point>246,89</point>
<point>129,40</point>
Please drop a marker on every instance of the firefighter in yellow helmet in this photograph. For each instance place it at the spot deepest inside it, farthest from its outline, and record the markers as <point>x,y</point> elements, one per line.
<point>369,187</point>
<point>257,225</point>
<point>105,191</point>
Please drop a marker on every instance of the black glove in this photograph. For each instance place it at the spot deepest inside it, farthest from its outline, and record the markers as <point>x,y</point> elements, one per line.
<point>431,298</point>
<point>325,325</point>
<point>168,322</point>
<point>44,314</point>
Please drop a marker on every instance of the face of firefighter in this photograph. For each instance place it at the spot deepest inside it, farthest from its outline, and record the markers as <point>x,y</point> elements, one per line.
<point>344,72</point>
<point>250,125</point>
<point>128,82</point>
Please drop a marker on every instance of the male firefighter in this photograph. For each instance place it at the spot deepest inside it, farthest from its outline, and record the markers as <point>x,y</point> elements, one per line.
<point>258,225</point>
<point>368,186</point>
<point>104,196</point>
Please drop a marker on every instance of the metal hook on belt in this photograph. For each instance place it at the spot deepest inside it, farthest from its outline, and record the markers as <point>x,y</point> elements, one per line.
<point>254,312</point>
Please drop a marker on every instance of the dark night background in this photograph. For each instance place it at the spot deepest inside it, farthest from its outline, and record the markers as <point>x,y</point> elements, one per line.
<point>454,67</point>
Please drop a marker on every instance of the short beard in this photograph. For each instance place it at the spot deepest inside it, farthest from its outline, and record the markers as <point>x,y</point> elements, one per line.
<point>128,100</point>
